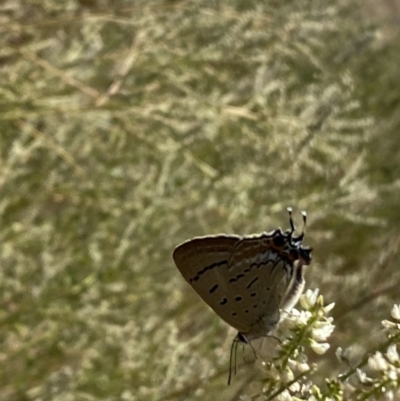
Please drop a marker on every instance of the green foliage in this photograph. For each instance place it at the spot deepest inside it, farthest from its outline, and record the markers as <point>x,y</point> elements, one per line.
<point>130,126</point>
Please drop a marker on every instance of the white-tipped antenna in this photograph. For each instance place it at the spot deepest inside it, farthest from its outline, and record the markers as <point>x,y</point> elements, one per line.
<point>292,227</point>
<point>303,231</point>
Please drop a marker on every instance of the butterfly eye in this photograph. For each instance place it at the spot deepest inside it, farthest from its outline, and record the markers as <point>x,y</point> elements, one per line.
<point>279,241</point>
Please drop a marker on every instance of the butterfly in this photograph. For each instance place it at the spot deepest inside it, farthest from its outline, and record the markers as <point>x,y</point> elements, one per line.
<point>247,280</point>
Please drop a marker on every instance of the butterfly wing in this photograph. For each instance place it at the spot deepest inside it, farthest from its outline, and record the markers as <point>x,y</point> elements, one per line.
<point>259,279</point>
<point>203,262</point>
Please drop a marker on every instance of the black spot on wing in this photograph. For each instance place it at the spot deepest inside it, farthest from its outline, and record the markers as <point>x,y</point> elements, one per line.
<point>212,289</point>
<point>224,301</point>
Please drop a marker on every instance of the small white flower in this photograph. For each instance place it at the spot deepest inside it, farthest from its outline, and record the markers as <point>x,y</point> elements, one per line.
<point>320,300</point>
<point>387,324</point>
<point>284,396</point>
<point>294,387</point>
<point>339,354</point>
<point>343,354</point>
<point>389,395</point>
<point>294,318</point>
<point>322,333</point>
<point>303,318</point>
<point>328,308</point>
<point>319,348</point>
<point>392,375</point>
<point>377,362</point>
<point>303,367</point>
<point>309,298</point>
<point>292,364</point>
<point>392,354</point>
<point>362,376</point>
<point>287,375</point>
<point>306,388</point>
<point>395,312</point>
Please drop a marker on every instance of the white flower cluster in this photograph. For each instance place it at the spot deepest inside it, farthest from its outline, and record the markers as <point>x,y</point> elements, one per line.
<point>309,328</point>
<point>378,377</point>
<point>288,375</point>
<point>386,365</point>
<point>315,312</point>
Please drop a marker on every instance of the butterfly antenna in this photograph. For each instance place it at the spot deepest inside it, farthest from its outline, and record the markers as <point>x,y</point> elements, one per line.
<point>292,227</point>
<point>233,359</point>
<point>275,337</point>
<point>254,351</point>
<point>303,231</point>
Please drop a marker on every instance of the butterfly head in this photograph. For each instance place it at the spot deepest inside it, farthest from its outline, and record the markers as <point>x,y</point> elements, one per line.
<point>293,243</point>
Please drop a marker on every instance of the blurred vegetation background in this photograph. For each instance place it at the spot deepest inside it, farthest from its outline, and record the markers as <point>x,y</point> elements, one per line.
<point>130,126</point>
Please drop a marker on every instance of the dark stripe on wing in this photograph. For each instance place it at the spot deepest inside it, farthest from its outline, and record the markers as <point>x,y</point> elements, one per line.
<point>252,282</point>
<point>200,272</point>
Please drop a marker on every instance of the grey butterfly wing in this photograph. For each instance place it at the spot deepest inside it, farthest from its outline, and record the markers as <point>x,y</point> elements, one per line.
<point>259,280</point>
<point>203,262</point>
